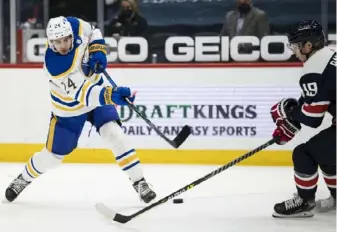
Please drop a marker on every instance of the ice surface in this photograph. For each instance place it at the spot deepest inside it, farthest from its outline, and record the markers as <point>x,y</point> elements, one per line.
<point>240,199</point>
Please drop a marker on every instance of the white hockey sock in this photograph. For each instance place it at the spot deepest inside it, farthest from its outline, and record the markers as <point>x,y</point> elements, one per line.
<point>125,155</point>
<point>39,163</point>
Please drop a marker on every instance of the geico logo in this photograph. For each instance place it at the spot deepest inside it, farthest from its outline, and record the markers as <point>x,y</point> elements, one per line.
<point>216,48</point>
<point>186,49</point>
<point>118,51</point>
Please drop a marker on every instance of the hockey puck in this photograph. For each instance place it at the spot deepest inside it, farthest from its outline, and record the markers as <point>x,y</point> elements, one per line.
<point>178,201</point>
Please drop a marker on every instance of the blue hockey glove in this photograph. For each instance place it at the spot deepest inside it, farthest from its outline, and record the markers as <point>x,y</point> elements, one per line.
<point>118,96</point>
<point>97,57</point>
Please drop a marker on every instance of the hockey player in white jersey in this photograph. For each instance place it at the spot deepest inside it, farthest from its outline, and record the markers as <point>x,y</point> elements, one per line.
<point>74,59</point>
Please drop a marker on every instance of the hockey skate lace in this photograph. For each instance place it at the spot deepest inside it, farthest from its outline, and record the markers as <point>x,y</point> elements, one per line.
<point>143,189</point>
<point>18,185</point>
<point>328,203</point>
<point>293,203</point>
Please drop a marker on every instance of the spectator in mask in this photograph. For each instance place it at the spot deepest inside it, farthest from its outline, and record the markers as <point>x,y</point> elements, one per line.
<point>245,20</point>
<point>129,22</point>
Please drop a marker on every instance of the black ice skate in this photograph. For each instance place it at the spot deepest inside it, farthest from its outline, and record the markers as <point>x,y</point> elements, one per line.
<point>145,193</point>
<point>15,188</point>
<point>295,207</point>
<point>326,205</point>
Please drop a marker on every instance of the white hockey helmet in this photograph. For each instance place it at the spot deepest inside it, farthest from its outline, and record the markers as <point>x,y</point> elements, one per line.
<point>57,28</point>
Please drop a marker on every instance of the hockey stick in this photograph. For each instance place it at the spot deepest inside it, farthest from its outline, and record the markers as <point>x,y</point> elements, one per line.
<point>176,142</point>
<point>110,214</point>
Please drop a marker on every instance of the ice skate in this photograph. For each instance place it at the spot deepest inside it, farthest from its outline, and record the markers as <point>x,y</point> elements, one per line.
<point>295,207</point>
<point>145,193</point>
<point>15,188</point>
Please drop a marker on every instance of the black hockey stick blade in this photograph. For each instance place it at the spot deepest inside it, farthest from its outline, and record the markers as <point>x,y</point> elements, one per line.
<point>177,141</point>
<point>112,215</point>
<point>182,136</point>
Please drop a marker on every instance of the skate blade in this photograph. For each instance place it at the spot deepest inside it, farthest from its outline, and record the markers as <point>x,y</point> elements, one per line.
<point>296,215</point>
<point>5,201</point>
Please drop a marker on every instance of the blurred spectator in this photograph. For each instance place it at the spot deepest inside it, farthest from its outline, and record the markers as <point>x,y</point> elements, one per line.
<point>129,22</point>
<point>31,14</point>
<point>86,11</point>
<point>245,20</point>
<point>31,23</point>
<point>111,8</point>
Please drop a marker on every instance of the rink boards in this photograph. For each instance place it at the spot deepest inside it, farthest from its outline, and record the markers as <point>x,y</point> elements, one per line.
<point>226,106</point>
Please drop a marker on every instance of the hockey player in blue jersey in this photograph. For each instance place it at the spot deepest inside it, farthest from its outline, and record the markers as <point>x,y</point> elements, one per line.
<point>74,60</point>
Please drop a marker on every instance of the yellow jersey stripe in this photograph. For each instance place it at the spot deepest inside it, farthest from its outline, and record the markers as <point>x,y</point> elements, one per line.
<point>84,92</point>
<point>51,134</point>
<point>80,29</point>
<point>67,108</point>
<point>97,77</point>
<point>64,98</point>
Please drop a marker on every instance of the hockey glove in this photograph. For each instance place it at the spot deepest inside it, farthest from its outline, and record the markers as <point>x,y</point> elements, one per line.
<point>97,56</point>
<point>118,96</point>
<point>285,131</point>
<point>280,110</point>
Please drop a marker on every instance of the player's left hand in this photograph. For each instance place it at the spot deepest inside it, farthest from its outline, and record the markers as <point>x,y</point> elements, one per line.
<point>126,95</point>
<point>285,131</point>
<point>132,97</point>
<point>280,110</point>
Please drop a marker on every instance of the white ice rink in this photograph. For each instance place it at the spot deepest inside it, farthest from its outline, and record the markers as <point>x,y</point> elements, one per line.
<point>240,199</point>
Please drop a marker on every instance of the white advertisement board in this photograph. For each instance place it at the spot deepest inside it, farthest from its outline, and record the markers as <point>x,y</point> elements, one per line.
<point>227,108</point>
<point>211,111</point>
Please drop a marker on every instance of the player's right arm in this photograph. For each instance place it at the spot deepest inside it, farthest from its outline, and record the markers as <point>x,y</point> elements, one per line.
<point>88,93</point>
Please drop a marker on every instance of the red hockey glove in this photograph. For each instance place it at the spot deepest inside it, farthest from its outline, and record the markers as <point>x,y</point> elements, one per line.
<point>279,111</point>
<point>285,131</point>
